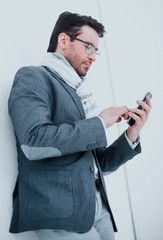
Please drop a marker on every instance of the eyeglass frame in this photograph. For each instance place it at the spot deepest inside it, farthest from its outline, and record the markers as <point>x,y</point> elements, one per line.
<point>89,44</point>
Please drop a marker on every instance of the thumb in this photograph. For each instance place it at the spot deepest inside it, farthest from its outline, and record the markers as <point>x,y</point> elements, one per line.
<point>122,110</point>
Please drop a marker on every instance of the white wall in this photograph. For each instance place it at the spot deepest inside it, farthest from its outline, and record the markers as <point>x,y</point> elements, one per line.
<point>132,58</point>
<point>136,61</point>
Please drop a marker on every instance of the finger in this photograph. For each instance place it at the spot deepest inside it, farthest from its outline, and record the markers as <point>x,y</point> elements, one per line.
<point>148,101</point>
<point>137,111</point>
<point>122,110</point>
<point>142,114</point>
<point>125,116</point>
<point>144,105</point>
<point>134,116</point>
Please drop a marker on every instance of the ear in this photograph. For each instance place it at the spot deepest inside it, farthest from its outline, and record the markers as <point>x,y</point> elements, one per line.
<point>62,40</point>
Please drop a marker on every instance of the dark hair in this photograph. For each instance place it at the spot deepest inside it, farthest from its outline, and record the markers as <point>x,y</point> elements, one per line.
<point>71,24</point>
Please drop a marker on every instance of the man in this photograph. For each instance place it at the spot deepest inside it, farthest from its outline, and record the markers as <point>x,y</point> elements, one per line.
<point>61,141</point>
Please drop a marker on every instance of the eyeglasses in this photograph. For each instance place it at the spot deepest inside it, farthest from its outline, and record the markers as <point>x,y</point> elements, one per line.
<point>89,48</point>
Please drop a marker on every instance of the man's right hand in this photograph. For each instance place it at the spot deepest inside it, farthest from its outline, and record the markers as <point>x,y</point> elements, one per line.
<point>113,115</point>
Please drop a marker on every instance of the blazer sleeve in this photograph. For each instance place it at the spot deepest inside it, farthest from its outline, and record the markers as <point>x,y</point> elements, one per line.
<point>119,152</point>
<point>30,109</point>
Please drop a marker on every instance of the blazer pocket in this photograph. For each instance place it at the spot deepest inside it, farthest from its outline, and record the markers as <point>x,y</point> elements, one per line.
<point>50,195</point>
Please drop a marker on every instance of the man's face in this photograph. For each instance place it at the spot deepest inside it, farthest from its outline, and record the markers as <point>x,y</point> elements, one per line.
<point>76,53</point>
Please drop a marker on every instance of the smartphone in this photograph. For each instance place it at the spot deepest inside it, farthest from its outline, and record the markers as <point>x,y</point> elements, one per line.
<point>131,121</point>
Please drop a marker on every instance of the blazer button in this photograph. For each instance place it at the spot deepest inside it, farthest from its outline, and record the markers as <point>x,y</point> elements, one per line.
<point>92,170</point>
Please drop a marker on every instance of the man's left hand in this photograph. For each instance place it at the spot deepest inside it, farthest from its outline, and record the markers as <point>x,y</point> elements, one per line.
<point>140,117</point>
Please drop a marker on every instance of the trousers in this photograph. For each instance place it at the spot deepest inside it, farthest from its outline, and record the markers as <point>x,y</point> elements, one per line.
<point>102,228</point>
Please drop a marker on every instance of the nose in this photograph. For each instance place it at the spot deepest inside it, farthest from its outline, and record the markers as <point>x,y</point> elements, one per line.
<point>92,57</point>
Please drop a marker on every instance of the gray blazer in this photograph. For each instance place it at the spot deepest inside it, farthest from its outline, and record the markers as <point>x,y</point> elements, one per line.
<point>56,144</point>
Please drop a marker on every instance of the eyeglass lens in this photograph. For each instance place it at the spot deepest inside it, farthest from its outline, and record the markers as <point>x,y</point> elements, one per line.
<point>90,49</point>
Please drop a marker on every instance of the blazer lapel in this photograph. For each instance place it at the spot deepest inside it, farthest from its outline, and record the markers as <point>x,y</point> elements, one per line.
<point>70,90</point>
<point>74,96</point>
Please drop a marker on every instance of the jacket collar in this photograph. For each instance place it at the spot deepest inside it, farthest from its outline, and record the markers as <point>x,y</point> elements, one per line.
<point>70,90</point>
